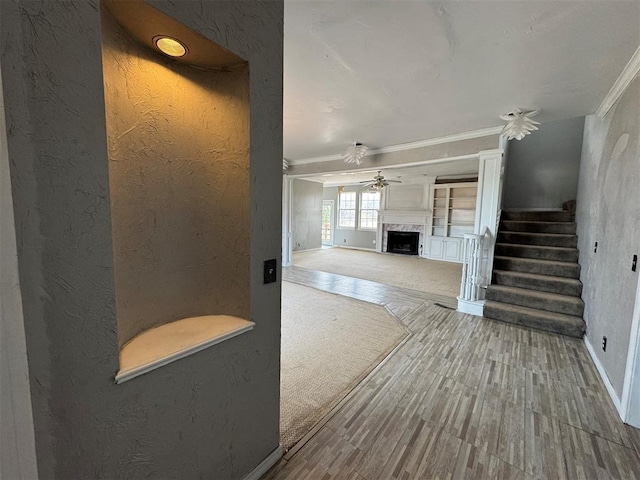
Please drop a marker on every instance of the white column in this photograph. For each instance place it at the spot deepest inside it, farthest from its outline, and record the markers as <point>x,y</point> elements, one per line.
<point>480,259</point>
<point>287,247</point>
<point>488,205</point>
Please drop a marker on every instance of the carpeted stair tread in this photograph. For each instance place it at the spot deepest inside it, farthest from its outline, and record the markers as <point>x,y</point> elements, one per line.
<point>538,227</point>
<point>540,319</point>
<point>536,281</point>
<point>532,265</point>
<point>543,239</point>
<point>540,216</point>
<point>541,252</point>
<point>551,302</point>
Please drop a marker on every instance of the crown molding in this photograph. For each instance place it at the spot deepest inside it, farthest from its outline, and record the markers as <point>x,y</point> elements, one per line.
<point>627,75</point>
<point>485,132</point>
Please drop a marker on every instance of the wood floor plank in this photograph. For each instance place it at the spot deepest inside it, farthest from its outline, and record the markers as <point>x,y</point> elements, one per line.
<point>475,463</point>
<point>467,398</point>
<point>588,456</point>
<point>543,457</point>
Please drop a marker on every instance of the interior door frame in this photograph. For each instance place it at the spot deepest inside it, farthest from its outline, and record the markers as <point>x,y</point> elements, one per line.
<point>631,387</point>
<point>332,220</point>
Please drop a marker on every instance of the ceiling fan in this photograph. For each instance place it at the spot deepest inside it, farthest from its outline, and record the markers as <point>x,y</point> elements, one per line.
<point>378,182</point>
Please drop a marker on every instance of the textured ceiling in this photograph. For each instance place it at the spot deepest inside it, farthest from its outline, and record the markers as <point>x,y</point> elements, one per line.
<point>391,72</point>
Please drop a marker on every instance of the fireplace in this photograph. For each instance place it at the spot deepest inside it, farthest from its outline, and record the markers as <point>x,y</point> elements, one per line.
<point>403,242</point>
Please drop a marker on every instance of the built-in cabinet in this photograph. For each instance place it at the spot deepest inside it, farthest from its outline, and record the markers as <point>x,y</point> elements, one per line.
<point>453,213</point>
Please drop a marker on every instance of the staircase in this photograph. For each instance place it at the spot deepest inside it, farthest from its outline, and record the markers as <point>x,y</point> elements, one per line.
<point>536,273</point>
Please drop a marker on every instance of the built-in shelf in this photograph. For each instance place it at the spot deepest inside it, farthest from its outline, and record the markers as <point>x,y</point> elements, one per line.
<point>167,343</point>
<point>452,215</point>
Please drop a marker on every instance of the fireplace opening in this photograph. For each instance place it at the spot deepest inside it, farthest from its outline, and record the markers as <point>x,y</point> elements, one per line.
<point>403,242</point>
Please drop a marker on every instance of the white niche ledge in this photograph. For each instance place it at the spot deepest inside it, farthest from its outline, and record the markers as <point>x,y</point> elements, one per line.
<point>170,342</point>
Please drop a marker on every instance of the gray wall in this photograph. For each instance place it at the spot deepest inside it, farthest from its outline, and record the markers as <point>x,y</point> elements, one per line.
<point>17,444</point>
<point>348,237</point>
<point>180,205</point>
<point>214,414</point>
<point>541,170</point>
<point>608,212</point>
<point>306,220</point>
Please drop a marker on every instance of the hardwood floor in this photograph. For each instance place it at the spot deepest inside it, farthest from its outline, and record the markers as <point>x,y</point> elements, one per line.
<point>466,397</point>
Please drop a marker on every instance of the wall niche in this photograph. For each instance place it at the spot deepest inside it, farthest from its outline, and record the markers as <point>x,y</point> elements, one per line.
<point>178,145</point>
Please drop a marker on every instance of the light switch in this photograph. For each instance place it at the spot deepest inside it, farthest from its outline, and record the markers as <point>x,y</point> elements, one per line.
<point>270,271</point>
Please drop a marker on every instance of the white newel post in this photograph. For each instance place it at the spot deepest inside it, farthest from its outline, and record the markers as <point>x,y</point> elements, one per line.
<point>477,264</point>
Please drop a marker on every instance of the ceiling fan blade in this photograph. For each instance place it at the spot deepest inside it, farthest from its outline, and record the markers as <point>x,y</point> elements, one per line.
<point>393,181</point>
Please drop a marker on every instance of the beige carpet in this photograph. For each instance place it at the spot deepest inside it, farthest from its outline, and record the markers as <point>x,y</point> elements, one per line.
<point>430,276</point>
<point>329,344</point>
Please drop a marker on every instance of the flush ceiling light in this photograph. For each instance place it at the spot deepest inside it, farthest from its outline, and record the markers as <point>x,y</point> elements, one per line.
<point>519,123</point>
<point>355,153</point>
<point>170,46</point>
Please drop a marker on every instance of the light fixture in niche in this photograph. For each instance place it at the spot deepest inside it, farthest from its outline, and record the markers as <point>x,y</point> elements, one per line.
<point>145,23</point>
<point>170,46</point>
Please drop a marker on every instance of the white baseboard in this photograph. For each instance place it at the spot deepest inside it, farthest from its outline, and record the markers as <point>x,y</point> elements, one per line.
<point>356,248</point>
<point>472,308</point>
<point>265,465</point>
<point>307,249</point>
<point>605,379</point>
<point>534,209</point>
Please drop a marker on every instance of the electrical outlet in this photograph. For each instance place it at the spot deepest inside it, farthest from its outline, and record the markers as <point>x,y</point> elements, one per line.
<point>344,240</point>
<point>374,242</point>
<point>604,344</point>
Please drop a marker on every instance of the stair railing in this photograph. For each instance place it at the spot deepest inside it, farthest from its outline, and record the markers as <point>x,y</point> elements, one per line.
<point>472,265</point>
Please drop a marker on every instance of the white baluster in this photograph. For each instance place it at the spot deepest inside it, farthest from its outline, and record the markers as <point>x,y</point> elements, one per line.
<point>465,266</point>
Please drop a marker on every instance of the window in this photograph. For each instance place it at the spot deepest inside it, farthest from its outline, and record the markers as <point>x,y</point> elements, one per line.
<point>347,210</point>
<point>369,204</point>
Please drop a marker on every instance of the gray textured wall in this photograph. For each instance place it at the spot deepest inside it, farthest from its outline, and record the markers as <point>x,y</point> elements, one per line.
<point>306,219</point>
<point>214,414</point>
<point>178,143</point>
<point>349,237</point>
<point>17,444</point>
<point>608,212</point>
<point>541,170</point>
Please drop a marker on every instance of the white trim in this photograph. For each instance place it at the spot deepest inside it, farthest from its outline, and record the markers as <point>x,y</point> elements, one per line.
<point>126,375</point>
<point>624,80</point>
<point>355,248</point>
<point>472,308</point>
<point>630,388</point>
<point>265,465</point>
<point>394,166</point>
<point>536,209</point>
<point>485,132</point>
<point>604,377</point>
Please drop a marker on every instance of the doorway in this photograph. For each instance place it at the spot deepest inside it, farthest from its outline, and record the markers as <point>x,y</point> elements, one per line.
<point>327,222</point>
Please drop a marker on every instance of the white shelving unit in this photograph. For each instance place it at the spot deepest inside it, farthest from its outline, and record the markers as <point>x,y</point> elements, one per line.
<point>453,212</point>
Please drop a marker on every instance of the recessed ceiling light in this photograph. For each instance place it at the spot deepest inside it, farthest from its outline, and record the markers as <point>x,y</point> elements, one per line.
<point>170,46</point>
